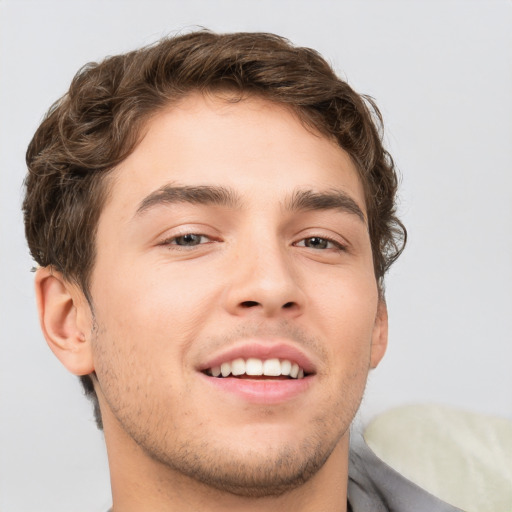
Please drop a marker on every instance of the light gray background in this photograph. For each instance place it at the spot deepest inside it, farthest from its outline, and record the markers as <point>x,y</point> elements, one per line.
<point>442,73</point>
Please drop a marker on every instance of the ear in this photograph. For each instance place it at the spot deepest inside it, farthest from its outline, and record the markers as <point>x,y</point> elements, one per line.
<point>380,335</point>
<point>65,318</point>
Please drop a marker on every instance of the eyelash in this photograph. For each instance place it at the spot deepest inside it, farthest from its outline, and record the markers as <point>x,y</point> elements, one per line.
<point>172,241</point>
<point>335,243</point>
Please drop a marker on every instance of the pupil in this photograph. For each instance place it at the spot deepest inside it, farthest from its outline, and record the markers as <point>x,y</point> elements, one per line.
<point>317,243</point>
<point>189,239</point>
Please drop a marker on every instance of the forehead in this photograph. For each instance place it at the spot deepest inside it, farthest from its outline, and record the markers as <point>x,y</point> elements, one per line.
<point>258,148</point>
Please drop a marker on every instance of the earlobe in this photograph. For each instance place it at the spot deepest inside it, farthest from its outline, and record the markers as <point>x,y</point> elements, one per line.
<point>380,335</point>
<point>62,311</point>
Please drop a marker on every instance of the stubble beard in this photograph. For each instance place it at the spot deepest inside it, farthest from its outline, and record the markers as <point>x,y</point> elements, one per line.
<point>249,473</point>
<point>269,471</point>
<point>245,472</point>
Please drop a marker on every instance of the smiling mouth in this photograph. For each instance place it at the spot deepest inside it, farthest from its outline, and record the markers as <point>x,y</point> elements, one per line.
<point>253,368</point>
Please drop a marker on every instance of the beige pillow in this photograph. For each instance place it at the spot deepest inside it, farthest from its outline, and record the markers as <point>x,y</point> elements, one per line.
<point>461,457</point>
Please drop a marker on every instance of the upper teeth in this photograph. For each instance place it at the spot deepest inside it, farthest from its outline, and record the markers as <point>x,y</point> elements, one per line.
<point>253,366</point>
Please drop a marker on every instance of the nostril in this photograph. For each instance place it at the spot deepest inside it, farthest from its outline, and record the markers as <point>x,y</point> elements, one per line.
<point>289,305</point>
<point>249,304</point>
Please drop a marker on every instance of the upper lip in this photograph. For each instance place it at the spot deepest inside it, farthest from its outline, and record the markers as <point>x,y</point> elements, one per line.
<point>260,349</point>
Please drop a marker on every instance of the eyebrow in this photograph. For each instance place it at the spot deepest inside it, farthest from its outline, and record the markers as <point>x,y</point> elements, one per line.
<point>300,200</point>
<point>306,200</point>
<point>200,194</point>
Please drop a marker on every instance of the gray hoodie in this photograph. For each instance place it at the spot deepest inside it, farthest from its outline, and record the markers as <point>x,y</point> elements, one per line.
<point>373,486</point>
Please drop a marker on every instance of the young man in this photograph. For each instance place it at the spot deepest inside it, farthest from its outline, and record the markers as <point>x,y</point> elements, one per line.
<point>212,218</point>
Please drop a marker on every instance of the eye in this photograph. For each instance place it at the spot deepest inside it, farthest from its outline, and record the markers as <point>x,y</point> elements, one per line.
<point>187,240</point>
<point>319,243</point>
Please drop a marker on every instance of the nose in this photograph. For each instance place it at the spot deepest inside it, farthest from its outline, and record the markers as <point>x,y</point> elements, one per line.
<point>264,282</point>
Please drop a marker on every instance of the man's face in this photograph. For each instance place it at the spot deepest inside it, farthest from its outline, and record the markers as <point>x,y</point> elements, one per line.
<point>233,233</point>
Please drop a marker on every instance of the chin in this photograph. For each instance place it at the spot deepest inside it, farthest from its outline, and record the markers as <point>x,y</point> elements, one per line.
<point>256,473</point>
<point>255,467</point>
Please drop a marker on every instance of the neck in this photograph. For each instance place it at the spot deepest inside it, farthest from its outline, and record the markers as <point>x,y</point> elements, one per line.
<point>142,484</point>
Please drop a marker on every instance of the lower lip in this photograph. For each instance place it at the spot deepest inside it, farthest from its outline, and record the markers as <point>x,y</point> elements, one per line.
<point>261,391</point>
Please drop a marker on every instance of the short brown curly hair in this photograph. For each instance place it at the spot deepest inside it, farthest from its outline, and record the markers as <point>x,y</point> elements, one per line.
<point>97,124</point>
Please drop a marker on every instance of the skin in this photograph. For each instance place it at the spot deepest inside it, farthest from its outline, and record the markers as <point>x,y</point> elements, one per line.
<point>261,270</point>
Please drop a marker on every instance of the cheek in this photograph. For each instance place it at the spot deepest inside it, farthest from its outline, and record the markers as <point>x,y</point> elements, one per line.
<point>346,311</point>
<point>147,297</point>
<point>347,300</point>
<point>147,318</point>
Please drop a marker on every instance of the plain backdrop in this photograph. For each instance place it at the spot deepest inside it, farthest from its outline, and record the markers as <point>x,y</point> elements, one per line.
<point>441,71</point>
